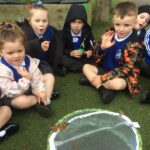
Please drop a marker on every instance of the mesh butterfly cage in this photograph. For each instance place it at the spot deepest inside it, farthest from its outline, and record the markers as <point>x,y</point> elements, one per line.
<point>94,129</point>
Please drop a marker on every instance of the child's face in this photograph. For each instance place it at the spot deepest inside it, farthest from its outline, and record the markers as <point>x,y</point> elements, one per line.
<point>142,21</point>
<point>123,26</point>
<point>76,26</point>
<point>39,21</point>
<point>13,52</point>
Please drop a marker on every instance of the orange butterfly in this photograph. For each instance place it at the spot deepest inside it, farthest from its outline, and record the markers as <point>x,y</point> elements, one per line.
<point>61,126</point>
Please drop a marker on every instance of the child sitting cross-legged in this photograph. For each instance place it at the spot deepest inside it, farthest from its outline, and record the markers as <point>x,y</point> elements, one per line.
<point>41,43</point>
<point>77,40</point>
<point>21,82</point>
<point>121,51</point>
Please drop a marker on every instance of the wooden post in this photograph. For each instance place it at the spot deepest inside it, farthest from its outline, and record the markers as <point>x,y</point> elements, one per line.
<point>102,10</point>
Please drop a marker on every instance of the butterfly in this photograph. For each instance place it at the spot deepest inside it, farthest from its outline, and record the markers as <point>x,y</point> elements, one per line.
<point>61,127</point>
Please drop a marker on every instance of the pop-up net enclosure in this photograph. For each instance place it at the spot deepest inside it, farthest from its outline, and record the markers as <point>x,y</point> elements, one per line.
<point>94,129</point>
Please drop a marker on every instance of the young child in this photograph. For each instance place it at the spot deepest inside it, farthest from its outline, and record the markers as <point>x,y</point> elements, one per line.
<point>142,21</point>
<point>146,93</point>
<point>77,39</point>
<point>147,46</point>
<point>41,42</point>
<point>6,129</point>
<point>21,82</point>
<point>121,50</point>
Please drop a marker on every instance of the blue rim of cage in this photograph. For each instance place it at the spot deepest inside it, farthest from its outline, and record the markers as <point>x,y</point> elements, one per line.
<point>20,2</point>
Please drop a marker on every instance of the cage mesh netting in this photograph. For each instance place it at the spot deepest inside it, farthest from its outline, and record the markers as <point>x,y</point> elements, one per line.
<point>94,129</point>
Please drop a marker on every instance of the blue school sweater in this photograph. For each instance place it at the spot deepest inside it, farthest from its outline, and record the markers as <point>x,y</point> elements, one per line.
<point>48,35</point>
<point>147,45</point>
<point>113,54</point>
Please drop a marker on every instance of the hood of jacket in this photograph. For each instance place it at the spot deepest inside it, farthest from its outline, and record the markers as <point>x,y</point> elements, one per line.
<point>76,12</point>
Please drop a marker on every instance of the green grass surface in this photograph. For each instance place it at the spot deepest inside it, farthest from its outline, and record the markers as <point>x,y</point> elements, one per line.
<point>34,129</point>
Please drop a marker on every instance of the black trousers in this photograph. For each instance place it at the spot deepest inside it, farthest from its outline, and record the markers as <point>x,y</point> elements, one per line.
<point>75,64</point>
<point>144,69</point>
<point>45,67</point>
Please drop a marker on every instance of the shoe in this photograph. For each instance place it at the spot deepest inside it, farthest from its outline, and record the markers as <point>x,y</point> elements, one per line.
<point>8,130</point>
<point>61,71</point>
<point>43,110</point>
<point>145,98</point>
<point>84,81</point>
<point>55,95</point>
<point>106,95</point>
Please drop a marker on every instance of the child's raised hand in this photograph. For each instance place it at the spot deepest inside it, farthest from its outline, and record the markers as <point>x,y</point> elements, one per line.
<point>76,53</point>
<point>107,39</point>
<point>41,97</point>
<point>45,45</point>
<point>24,73</point>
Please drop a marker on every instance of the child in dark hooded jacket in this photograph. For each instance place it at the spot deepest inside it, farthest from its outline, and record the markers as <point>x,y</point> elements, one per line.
<point>77,40</point>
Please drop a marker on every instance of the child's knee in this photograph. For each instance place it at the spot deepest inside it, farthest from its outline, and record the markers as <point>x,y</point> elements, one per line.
<point>7,111</point>
<point>118,84</point>
<point>23,102</point>
<point>49,76</point>
<point>85,68</point>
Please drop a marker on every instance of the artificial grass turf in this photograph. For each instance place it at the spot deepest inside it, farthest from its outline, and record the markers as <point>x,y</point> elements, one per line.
<point>34,129</point>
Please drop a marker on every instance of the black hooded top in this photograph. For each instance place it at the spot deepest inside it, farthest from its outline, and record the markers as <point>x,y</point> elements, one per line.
<point>76,12</point>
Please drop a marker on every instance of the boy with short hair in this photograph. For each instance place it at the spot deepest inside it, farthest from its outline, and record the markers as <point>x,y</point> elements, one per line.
<point>121,51</point>
<point>77,40</point>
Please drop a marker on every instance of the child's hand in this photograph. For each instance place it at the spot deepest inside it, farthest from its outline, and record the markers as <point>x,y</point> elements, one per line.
<point>88,53</point>
<point>45,45</point>
<point>76,53</point>
<point>41,97</point>
<point>96,81</point>
<point>107,39</point>
<point>24,73</point>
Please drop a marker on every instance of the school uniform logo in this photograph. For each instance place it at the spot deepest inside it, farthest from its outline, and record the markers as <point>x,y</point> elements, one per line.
<point>75,39</point>
<point>118,54</point>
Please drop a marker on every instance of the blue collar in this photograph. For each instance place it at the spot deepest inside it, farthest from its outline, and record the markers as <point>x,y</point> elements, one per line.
<point>48,35</point>
<point>17,76</point>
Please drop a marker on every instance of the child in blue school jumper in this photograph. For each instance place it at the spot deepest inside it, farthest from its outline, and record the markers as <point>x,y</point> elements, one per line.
<point>120,51</point>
